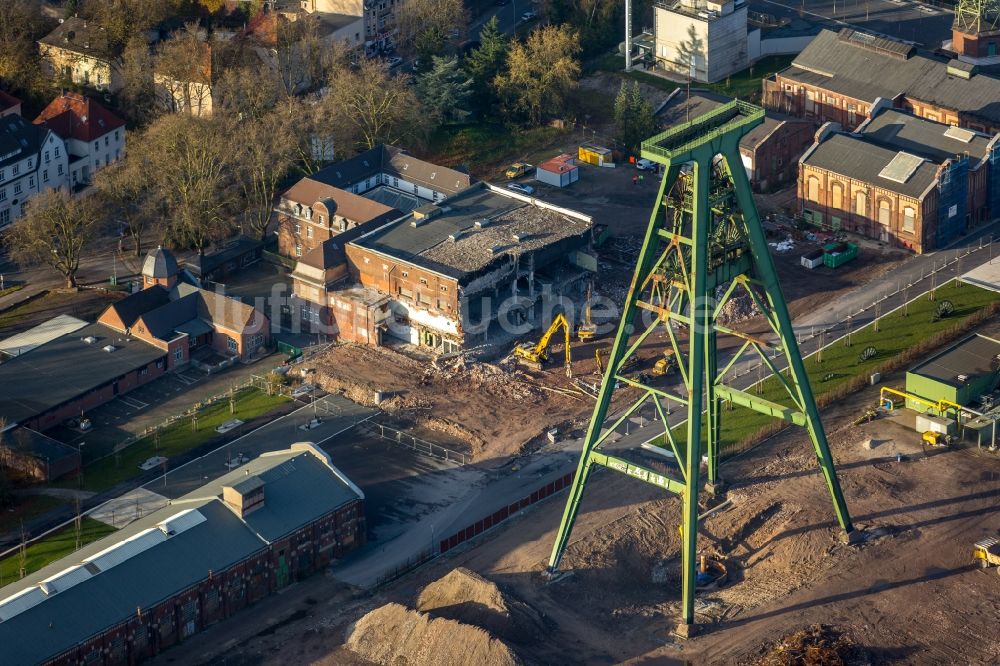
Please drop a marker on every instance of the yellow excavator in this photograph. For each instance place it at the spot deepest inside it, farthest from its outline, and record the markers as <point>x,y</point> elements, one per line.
<point>587,329</point>
<point>602,356</point>
<point>536,355</point>
<point>666,364</point>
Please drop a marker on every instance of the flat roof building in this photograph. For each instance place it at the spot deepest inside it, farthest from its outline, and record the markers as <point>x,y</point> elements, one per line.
<point>959,374</point>
<point>201,558</point>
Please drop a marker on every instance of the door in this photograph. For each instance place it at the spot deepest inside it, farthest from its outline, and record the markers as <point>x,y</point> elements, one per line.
<point>282,569</point>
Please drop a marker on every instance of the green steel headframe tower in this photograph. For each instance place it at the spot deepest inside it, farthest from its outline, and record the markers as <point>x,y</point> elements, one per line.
<point>704,245</point>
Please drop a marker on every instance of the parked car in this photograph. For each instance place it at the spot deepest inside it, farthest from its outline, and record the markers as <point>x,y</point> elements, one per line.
<point>394,61</point>
<point>517,169</point>
<point>521,187</point>
<point>645,165</point>
<point>528,15</point>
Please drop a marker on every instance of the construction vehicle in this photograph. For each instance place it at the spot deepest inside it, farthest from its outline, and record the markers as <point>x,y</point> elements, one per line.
<point>987,551</point>
<point>666,364</point>
<point>932,438</point>
<point>602,354</point>
<point>536,355</point>
<point>517,169</point>
<point>587,329</point>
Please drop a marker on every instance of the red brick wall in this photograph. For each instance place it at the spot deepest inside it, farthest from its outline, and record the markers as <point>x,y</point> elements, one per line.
<point>403,281</point>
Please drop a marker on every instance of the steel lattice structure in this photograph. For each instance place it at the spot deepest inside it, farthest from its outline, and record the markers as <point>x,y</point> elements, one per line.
<point>704,235</point>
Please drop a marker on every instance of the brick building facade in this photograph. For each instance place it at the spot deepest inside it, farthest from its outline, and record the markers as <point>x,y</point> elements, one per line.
<point>171,574</point>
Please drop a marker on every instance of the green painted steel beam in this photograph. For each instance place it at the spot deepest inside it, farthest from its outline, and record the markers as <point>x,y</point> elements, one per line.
<point>759,404</point>
<point>638,472</point>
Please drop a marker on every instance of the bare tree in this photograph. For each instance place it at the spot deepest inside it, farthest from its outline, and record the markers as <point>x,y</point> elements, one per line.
<point>316,140</point>
<point>21,23</point>
<point>423,25</point>
<point>125,188</point>
<point>267,153</point>
<point>379,107</point>
<point>55,231</point>
<point>138,93</point>
<point>183,72</point>
<point>246,92</point>
<point>540,73</point>
<point>190,164</point>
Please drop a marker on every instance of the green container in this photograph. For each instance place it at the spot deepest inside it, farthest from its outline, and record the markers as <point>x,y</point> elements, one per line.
<point>832,258</point>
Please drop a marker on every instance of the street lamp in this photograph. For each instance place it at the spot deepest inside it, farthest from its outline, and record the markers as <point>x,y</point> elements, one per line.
<point>80,475</point>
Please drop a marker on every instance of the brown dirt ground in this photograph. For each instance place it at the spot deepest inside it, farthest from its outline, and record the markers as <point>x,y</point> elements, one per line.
<point>908,594</point>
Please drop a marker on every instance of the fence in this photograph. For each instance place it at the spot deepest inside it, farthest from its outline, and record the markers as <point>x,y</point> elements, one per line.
<point>418,445</point>
<point>502,514</point>
<point>409,565</point>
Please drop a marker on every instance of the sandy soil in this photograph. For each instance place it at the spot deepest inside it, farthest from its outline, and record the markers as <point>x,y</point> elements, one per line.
<point>908,594</point>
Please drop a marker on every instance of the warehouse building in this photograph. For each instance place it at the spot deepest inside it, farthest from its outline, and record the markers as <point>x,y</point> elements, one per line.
<point>900,179</point>
<point>842,76</point>
<point>960,374</point>
<point>200,559</point>
<point>31,456</point>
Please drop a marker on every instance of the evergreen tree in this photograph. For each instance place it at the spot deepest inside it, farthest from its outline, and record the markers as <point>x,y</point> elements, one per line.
<point>633,116</point>
<point>484,63</point>
<point>445,90</point>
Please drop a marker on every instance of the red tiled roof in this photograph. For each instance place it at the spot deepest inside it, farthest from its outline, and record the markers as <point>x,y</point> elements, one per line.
<point>76,116</point>
<point>7,101</point>
<point>560,164</point>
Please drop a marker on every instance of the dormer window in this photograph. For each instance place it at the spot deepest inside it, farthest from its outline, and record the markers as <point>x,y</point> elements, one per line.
<point>321,219</point>
<point>309,213</point>
<point>298,209</point>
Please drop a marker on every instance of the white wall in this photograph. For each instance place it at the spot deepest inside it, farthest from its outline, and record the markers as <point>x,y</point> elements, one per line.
<point>34,175</point>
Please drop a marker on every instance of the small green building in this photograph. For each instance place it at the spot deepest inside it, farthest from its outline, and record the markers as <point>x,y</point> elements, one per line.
<point>959,374</point>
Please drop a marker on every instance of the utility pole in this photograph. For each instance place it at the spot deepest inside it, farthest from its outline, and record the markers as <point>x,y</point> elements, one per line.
<point>628,35</point>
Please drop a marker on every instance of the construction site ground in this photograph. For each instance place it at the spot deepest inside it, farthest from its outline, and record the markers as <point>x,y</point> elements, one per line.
<point>909,593</point>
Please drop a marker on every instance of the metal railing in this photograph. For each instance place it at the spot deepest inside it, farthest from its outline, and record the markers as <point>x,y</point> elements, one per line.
<point>416,444</point>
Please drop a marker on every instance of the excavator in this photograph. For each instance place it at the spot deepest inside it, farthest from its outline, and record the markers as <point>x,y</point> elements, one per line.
<point>536,355</point>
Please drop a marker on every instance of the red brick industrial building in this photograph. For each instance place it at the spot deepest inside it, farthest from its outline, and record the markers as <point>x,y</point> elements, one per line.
<point>204,557</point>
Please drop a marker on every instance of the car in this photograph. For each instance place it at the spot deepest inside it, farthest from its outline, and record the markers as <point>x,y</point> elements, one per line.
<point>528,15</point>
<point>645,165</point>
<point>521,187</point>
<point>394,61</point>
<point>517,169</point>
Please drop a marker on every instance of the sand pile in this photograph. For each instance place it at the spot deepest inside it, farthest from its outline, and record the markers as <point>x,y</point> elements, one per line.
<point>467,597</point>
<point>397,636</point>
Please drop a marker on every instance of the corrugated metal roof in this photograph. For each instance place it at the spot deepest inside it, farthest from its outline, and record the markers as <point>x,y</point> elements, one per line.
<point>853,157</point>
<point>936,141</point>
<point>39,335</point>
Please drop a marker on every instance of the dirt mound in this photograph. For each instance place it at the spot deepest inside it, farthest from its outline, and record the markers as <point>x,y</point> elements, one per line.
<point>816,645</point>
<point>397,636</point>
<point>467,597</point>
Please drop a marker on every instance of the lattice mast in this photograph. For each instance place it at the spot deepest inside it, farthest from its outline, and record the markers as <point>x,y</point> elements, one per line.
<point>704,238</point>
<point>974,17</point>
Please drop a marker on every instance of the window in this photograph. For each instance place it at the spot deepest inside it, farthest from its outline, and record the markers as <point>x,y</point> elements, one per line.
<point>423,281</point>
<point>57,151</point>
<point>16,169</point>
<point>3,194</point>
<point>884,213</point>
<point>17,188</point>
<point>1,174</point>
<point>45,175</point>
<point>144,372</point>
<point>116,135</point>
<point>812,189</point>
<point>444,288</point>
<point>909,219</point>
<point>59,170</point>
<point>298,250</point>
<point>231,344</point>
<point>861,203</point>
<point>406,274</point>
<point>4,217</point>
<point>97,145</point>
<point>106,140</point>
<point>838,196</point>
<point>321,219</point>
<point>46,157</point>
<point>179,354</point>
<point>309,232</point>
<point>298,229</point>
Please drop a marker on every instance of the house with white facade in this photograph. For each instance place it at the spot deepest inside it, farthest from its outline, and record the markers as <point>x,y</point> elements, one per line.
<point>94,136</point>
<point>32,159</point>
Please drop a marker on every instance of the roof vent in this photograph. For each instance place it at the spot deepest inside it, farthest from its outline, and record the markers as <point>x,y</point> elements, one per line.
<point>426,212</point>
<point>482,223</point>
<point>495,249</point>
<point>109,348</point>
<point>455,236</point>
<point>89,339</point>
<point>518,238</point>
<point>963,378</point>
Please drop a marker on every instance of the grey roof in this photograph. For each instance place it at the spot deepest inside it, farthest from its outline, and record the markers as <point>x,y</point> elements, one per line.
<point>449,243</point>
<point>164,320</point>
<point>37,445</point>
<point>683,107</point>
<point>19,139</point>
<point>163,559</point>
<point>235,249</point>
<point>36,336</point>
<point>160,263</point>
<point>397,162</point>
<point>67,368</point>
<point>135,305</point>
<point>865,72</point>
<point>853,157</point>
<point>973,356</point>
<point>901,131</point>
<point>80,36</point>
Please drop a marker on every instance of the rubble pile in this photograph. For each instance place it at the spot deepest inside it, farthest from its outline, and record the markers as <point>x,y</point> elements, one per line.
<point>739,308</point>
<point>503,379</point>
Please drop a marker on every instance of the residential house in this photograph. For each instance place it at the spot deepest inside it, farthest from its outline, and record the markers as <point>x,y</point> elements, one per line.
<point>844,76</point>
<point>188,91</point>
<point>900,179</point>
<point>94,136</point>
<point>770,152</point>
<point>9,105</point>
<point>78,52</point>
<point>32,159</point>
<point>203,557</point>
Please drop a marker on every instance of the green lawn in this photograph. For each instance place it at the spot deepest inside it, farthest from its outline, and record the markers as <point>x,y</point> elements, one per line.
<point>745,85</point>
<point>51,548</point>
<point>26,508</point>
<point>899,340</point>
<point>10,290</point>
<point>175,439</point>
<point>487,149</point>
